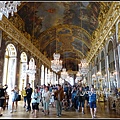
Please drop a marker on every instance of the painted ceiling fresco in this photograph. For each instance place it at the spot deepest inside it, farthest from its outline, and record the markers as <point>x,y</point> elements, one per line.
<point>69,23</point>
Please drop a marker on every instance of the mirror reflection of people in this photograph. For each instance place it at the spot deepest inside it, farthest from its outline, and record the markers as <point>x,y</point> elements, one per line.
<point>2,97</point>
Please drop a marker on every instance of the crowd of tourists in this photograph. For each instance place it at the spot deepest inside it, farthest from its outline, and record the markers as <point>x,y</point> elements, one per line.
<point>61,97</point>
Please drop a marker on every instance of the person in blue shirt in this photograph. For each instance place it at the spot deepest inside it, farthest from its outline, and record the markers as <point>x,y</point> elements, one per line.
<point>35,101</point>
<point>92,102</point>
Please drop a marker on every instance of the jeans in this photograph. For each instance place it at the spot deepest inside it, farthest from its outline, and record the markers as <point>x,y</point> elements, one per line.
<point>28,102</point>
<point>58,107</point>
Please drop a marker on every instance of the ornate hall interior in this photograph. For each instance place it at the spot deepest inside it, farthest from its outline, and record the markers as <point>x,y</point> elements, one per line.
<point>64,42</point>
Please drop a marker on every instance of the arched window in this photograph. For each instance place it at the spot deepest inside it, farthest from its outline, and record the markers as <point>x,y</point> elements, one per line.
<point>9,70</point>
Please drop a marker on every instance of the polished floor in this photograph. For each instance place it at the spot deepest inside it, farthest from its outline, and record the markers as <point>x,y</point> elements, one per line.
<point>103,112</point>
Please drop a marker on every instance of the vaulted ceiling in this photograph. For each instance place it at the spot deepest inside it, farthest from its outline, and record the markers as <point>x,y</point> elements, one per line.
<point>62,27</point>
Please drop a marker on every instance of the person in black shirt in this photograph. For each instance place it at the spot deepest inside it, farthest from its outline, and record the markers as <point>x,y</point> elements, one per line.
<point>29,93</point>
<point>2,97</point>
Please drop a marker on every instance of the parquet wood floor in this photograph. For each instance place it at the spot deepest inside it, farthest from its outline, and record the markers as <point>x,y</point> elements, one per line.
<point>102,112</point>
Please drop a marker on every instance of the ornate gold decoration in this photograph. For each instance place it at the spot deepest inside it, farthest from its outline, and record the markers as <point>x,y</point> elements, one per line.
<point>15,34</point>
<point>107,20</point>
<point>119,31</point>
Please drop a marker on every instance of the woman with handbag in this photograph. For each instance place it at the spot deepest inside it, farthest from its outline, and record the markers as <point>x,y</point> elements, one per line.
<point>35,101</point>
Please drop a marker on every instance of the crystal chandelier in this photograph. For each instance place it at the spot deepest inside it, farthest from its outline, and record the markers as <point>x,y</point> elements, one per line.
<point>64,74</point>
<point>56,64</point>
<point>78,75</point>
<point>8,7</point>
<point>83,66</point>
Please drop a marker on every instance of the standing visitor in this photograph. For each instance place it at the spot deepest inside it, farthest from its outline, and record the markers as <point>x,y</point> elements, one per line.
<point>81,98</point>
<point>59,96</point>
<point>46,100</point>
<point>14,94</point>
<point>92,102</point>
<point>29,93</point>
<point>2,97</point>
<point>35,101</point>
<point>24,95</point>
<point>52,98</point>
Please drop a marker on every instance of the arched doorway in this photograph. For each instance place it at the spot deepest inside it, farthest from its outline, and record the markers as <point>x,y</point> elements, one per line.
<point>9,70</point>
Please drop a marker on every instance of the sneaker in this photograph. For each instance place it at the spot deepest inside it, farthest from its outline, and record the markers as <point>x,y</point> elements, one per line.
<point>15,110</point>
<point>1,114</point>
<point>11,111</point>
<point>94,116</point>
<point>26,110</point>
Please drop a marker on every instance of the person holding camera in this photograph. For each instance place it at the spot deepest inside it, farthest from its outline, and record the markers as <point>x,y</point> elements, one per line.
<point>35,101</point>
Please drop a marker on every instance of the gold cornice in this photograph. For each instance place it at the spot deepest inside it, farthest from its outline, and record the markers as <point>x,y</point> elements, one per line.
<point>15,34</point>
<point>119,31</point>
<point>111,17</point>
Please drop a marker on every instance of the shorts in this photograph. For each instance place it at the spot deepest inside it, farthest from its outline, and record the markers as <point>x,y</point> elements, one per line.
<point>2,102</point>
<point>35,106</point>
<point>92,104</point>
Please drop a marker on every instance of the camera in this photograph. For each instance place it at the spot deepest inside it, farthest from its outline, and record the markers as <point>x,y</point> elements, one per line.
<point>35,98</point>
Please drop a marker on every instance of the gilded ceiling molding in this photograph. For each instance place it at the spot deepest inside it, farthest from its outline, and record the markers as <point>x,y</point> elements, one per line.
<point>79,53</point>
<point>105,28</point>
<point>16,35</point>
<point>22,4</point>
<point>72,72</point>
<point>119,31</point>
